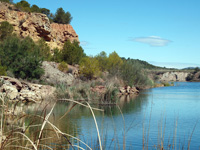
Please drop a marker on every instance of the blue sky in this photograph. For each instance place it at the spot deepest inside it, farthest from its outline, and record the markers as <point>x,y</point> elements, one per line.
<point>165,33</point>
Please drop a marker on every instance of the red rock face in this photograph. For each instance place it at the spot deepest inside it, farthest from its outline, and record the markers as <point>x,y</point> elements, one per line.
<point>37,26</point>
<point>63,32</point>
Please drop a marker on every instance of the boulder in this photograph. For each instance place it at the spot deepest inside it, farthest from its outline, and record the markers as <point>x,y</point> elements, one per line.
<point>24,91</point>
<point>54,76</point>
<point>10,91</point>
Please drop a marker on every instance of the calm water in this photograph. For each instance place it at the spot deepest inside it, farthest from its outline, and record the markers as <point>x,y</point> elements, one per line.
<point>170,114</point>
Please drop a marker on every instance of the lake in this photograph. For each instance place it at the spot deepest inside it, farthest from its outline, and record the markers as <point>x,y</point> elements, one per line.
<point>165,117</point>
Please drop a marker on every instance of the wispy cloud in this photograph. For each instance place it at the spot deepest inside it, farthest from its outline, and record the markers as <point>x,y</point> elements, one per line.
<point>174,64</point>
<point>152,41</point>
<point>84,43</point>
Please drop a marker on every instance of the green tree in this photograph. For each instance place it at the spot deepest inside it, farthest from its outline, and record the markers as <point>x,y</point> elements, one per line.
<point>103,60</point>
<point>114,63</point>
<point>7,1</point>
<point>23,5</point>
<point>22,57</point>
<point>62,17</point>
<point>45,11</point>
<point>89,67</point>
<point>72,53</point>
<point>57,55</point>
<point>44,49</point>
<point>6,30</point>
<point>35,8</point>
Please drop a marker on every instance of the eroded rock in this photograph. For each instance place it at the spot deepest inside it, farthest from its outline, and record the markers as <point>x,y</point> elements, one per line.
<point>37,26</point>
<point>24,91</point>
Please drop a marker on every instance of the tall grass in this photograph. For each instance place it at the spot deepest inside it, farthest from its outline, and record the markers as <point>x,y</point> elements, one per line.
<point>16,136</point>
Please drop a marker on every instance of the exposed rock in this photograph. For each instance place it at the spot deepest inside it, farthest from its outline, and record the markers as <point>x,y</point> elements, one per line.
<point>127,90</point>
<point>9,90</point>
<point>37,26</point>
<point>61,33</point>
<point>54,76</point>
<point>99,89</point>
<point>25,92</point>
<point>174,76</point>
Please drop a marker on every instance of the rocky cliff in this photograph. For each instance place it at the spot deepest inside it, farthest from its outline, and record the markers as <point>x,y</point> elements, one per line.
<point>37,25</point>
<point>174,76</point>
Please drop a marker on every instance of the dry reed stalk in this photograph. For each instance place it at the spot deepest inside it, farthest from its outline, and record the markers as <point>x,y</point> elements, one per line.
<point>44,123</point>
<point>95,125</point>
<point>35,147</point>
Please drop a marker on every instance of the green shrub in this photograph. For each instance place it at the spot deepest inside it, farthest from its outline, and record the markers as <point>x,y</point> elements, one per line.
<point>3,70</point>
<point>22,57</point>
<point>89,67</point>
<point>114,63</point>
<point>133,74</point>
<point>103,61</point>
<point>71,53</point>
<point>6,30</point>
<point>44,50</point>
<point>63,66</point>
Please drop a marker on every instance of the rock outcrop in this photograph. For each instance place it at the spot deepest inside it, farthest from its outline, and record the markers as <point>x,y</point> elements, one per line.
<point>127,90</point>
<point>37,26</point>
<point>24,91</point>
<point>54,76</point>
<point>174,76</point>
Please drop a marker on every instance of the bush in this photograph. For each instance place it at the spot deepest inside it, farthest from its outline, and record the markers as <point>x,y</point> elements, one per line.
<point>133,74</point>
<point>63,66</point>
<point>103,61</point>
<point>6,30</point>
<point>89,67</point>
<point>71,53</point>
<point>22,57</point>
<point>114,63</point>
<point>3,70</point>
<point>44,50</point>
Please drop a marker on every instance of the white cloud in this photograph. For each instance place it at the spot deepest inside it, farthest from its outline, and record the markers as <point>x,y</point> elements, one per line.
<point>152,41</point>
<point>84,43</point>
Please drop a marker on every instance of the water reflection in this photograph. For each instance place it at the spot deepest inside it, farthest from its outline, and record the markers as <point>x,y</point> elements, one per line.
<point>143,112</point>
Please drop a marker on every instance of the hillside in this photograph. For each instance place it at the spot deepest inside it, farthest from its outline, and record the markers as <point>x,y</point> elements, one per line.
<point>37,26</point>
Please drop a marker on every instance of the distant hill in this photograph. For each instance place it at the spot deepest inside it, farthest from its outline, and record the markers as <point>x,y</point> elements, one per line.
<point>190,68</point>
<point>145,65</point>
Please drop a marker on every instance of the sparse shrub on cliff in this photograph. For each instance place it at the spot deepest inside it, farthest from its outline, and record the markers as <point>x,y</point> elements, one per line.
<point>22,57</point>
<point>35,8</point>
<point>23,5</point>
<point>62,17</point>
<point>6,30</point>
<point>63,66</point>
<point>7,1</point>
<point>89,67</point>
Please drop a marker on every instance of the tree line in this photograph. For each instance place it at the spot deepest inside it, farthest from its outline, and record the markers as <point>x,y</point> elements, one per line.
<point>22,58</point>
